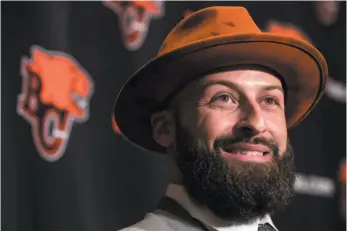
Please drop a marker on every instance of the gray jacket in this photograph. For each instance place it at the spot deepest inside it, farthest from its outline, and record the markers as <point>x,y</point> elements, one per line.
<point>169,216</point>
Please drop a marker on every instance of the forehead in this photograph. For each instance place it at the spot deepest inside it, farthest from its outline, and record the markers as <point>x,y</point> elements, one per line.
<point>243,78</point>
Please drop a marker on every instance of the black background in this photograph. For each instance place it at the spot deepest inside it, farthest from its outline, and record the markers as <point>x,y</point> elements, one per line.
<point>104,183</point>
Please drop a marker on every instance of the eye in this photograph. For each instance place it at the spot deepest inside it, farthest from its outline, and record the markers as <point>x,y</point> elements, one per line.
<point>225,98</point>
<point>224,101</point>
<point>270,101</point>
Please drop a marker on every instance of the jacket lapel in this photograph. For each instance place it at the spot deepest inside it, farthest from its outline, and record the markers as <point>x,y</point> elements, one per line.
<point>171,206</point>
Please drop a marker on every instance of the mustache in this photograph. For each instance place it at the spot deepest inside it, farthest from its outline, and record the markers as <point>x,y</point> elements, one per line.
<point>229,140</point>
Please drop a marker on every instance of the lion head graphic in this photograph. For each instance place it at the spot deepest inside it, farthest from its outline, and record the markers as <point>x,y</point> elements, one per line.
<point>56,92</point>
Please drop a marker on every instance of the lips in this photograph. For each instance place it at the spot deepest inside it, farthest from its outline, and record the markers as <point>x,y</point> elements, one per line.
<point>247,149</point>
<point>247,152</point>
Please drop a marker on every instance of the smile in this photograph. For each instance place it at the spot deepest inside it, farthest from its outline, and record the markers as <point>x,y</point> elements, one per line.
<point>247,152</point>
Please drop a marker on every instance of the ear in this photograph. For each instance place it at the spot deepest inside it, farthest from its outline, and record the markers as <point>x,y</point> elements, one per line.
<point>163,125</point>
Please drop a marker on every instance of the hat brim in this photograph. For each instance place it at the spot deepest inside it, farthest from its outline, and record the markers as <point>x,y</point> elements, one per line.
<point>301,66</point>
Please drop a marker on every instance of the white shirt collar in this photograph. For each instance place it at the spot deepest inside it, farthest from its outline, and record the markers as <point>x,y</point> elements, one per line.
<point>178,193</point>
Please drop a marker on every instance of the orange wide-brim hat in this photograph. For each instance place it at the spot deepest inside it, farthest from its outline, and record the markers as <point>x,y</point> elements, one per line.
<point>206,41</point>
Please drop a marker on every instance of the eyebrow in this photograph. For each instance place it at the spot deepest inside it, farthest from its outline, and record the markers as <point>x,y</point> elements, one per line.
<point>235,87</point>
<point>273,87</point>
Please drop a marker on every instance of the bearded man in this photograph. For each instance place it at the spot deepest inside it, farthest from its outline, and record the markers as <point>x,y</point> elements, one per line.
<point>218,100</point>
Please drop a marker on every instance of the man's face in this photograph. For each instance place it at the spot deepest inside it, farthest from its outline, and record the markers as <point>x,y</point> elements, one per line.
<point>229,140</point>
<point>233,104</point>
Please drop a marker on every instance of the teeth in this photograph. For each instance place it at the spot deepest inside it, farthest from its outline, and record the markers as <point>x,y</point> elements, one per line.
<point>250,153</point>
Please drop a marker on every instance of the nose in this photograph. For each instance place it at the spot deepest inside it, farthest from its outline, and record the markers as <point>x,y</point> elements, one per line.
<point>252,120</point>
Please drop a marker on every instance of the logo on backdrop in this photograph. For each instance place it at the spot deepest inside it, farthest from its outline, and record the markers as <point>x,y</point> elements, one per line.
<point>115,126</point>
<point>287,29</point>
<point>55,94</point>
<point>336,90</point>
<point>342,188</point>
<point>186,13</point>
<point>314,185</point>
<point>134,19</point>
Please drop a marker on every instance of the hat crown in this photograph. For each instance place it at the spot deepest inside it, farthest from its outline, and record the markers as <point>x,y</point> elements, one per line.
<point>207,23</point>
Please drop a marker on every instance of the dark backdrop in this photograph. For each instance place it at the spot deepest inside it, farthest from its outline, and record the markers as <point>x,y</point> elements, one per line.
<point>101,182</point>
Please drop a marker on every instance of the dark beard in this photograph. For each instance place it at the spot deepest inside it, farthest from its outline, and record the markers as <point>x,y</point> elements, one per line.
<point>234,190</point>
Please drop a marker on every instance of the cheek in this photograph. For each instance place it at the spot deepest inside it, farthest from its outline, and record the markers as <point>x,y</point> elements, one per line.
<point>211,125</point>
<point>277,127</point>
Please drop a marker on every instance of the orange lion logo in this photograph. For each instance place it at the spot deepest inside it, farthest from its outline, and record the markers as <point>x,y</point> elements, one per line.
<point>55,93</point>
<point>134,19</point>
